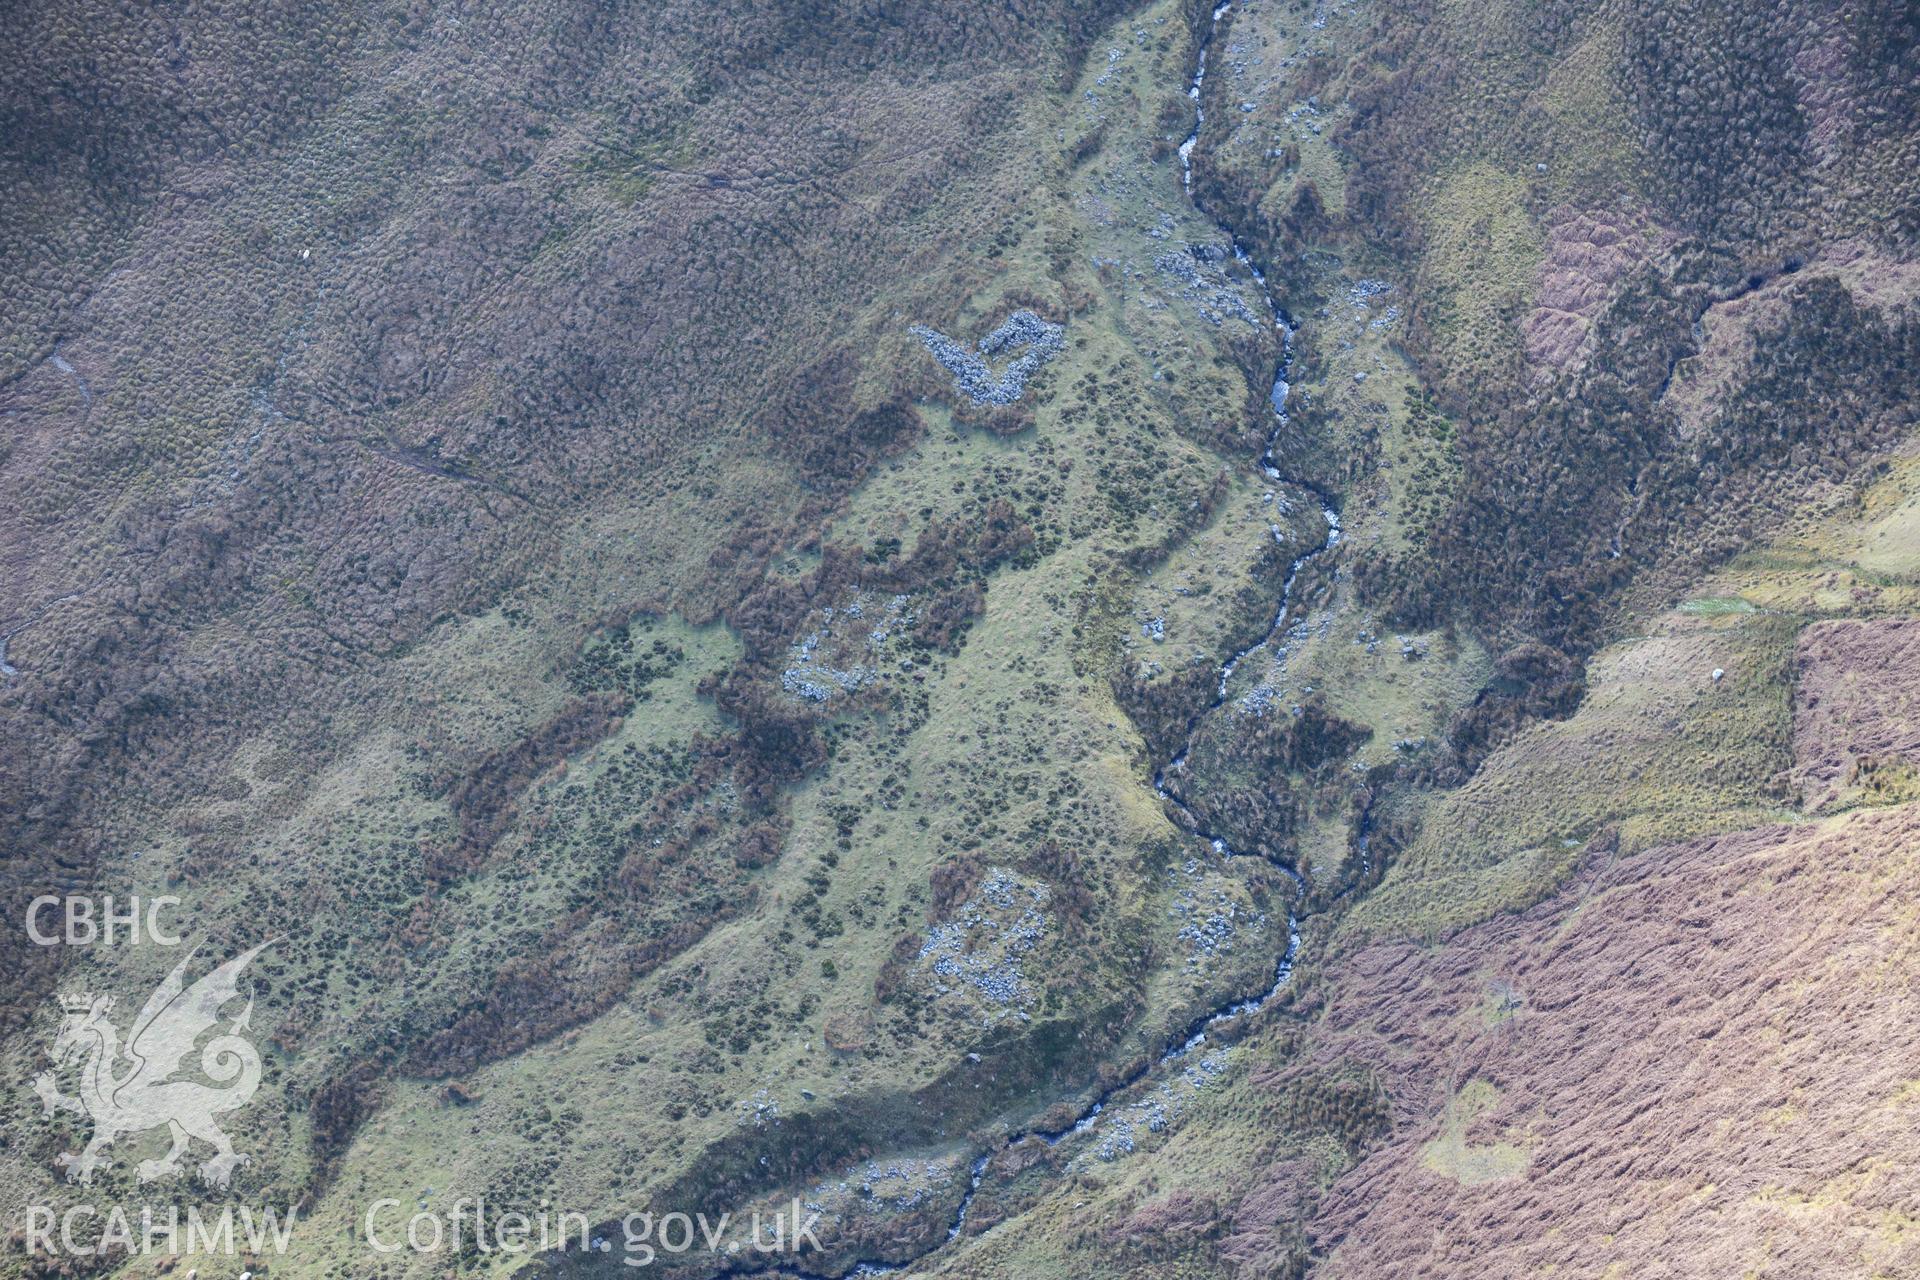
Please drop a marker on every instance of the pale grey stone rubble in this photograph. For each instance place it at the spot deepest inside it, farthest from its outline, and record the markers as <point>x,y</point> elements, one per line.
<point>1209,1068</point>
<point>813,678</point>
<point>1210,919</point>
<point>760,1110</point>
<point>1037,340</point>
<point>1159,1109</point>
<point>1211,290</point>
<point>896,1185</point>
<point>981,948</point>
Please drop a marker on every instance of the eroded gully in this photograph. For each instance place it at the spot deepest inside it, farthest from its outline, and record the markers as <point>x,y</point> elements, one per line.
<point>1197,1031</point>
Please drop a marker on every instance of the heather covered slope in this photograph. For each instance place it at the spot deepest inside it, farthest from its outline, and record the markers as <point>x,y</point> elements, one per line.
<point>1656,260</point>
<point>1696,1061</point>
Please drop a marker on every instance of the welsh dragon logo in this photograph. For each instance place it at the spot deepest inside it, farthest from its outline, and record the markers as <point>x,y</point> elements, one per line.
<point>134,1089</point>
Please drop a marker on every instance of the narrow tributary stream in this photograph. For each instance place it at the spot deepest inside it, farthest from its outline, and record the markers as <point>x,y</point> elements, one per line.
<point>1196,1034</point>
